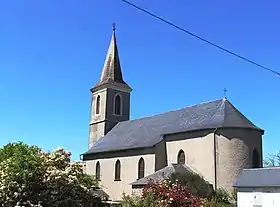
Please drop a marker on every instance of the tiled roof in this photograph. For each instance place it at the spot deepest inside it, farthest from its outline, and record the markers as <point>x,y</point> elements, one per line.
<point>164,173</point>
<point>259,177</point>
<point>148,131</point>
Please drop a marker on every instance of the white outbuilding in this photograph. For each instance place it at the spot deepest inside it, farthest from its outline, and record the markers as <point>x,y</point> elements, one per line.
<point>259,187</point>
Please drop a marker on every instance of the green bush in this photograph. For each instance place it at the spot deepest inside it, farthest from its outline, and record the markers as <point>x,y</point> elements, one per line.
<point>220,196</point>
<point>138,201</point>
<point>195,183</point>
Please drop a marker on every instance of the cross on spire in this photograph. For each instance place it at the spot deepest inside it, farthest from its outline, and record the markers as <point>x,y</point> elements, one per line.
<point>225,92</point>
<point>114,27</point>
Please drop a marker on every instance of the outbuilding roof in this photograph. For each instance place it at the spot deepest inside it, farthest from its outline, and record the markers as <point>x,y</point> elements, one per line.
<point>148,131</point>
<point>165,173</point>
<point>259,177</point>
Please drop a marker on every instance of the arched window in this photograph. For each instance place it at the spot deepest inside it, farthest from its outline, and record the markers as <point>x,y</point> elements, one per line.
<point>181,157</point>
<point>118,170</point>
<point>256,159</point>
<point>97,108</point>
<point>117,106</point>
<point>97,170</point>
<point>141,168</point>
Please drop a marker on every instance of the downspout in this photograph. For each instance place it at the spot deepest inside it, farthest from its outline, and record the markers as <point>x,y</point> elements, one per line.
<point>215,159</point>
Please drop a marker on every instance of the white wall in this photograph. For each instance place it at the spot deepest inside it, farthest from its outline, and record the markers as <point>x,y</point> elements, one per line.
<point>198,153</point>
<point>129,173</point>
<point>264,197</point>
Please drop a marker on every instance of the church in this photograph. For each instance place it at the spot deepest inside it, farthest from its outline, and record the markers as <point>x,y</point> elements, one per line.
<point>213,139</point>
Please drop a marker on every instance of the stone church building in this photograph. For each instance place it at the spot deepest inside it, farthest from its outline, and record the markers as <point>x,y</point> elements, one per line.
<point>213,139</point>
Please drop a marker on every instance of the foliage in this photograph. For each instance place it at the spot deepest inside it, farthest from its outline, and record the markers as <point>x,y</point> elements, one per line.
<point>196,184</point>
<point>29,176</point>
<point>234,195</point>
<point>220,196</point>
<point>272,160</point>
<point>172,194</point>
<point>187,189</point>
<point>214,204</point>
<point>138,201</point>
<point>163,194</point>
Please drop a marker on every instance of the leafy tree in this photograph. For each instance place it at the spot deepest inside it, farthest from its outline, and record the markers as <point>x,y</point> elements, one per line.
<point>30,177</point>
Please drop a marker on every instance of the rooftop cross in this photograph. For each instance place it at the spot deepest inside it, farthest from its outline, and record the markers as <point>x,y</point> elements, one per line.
<point>225,92</point>
<point>114,26</point>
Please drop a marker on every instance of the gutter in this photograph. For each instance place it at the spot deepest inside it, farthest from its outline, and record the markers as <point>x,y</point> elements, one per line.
<point>215,158</point>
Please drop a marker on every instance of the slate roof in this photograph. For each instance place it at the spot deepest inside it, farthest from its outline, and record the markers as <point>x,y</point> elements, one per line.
<point>164,173</point>
<point>111,71</point>
<point>148,131</point>
<point>259,177</point>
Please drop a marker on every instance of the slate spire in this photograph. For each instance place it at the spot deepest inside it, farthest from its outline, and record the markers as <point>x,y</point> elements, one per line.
<point>112,67</point>
<point>111,72</point>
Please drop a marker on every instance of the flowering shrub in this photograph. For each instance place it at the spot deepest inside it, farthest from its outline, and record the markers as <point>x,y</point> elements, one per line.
<point>171,194</point>
<point>30,177</point>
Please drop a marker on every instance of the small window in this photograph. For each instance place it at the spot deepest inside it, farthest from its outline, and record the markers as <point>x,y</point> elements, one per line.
<point>256,159</point>
<point>118,171</point>
<point>181,157</point>
<point>141,168</point>
<point>117,106</point>
<point>97,109</point>
<point>97,171</point>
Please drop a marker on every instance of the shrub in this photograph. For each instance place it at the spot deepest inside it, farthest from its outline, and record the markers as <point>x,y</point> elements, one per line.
<point>163,194</point>
<point>195,183</point>
<point>234,195</point>
<point>220,198</point>
<point>138,201</point>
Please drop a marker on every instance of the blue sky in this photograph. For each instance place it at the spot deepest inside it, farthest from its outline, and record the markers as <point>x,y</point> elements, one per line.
<point>52,53</point>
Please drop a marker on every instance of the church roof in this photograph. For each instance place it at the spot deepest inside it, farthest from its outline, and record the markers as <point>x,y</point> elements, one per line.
<point>111,72</point>
<point>148,131</point>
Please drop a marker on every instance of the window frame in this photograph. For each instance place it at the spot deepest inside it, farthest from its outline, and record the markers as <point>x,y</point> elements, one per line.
<point>179,157</point>
<point>141,168</point>
<point>97,171</point>
<point>118,170</point>
<point>97,105</point>
<point>120,105</point>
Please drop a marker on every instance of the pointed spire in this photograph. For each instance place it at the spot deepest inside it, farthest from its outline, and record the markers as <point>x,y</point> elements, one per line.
<point>112,68</point>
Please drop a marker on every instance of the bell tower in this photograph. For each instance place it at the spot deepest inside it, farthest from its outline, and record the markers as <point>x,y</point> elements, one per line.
<point>110,102</point>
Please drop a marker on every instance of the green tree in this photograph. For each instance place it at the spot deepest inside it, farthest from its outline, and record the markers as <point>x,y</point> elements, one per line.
<point>29,176</point>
